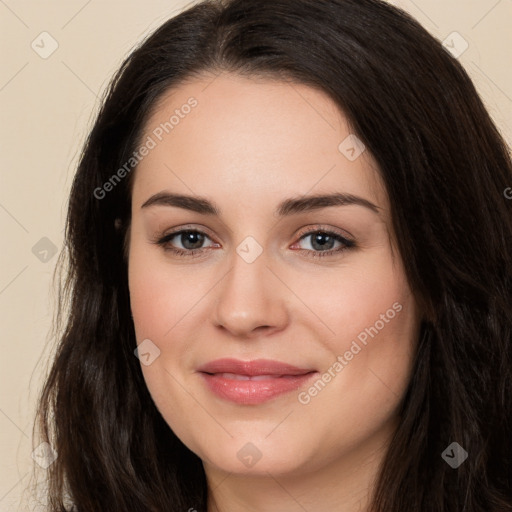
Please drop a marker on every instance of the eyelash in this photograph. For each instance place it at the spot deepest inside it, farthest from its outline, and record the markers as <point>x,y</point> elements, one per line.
<point>347,243</point>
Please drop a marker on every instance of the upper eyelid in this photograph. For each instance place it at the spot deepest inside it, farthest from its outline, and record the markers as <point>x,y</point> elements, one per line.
<point>334,231</point>
<point>181,229</point>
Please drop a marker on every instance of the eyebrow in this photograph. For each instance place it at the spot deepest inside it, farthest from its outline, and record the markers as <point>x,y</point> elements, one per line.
<point>287,207</point>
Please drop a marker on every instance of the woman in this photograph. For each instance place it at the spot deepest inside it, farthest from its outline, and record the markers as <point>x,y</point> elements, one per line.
<point>289,274</point>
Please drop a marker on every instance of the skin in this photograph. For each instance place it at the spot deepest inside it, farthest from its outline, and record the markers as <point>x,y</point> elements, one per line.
<point>248,145</point>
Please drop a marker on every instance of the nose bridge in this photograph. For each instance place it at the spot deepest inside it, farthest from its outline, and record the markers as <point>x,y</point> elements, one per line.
<point>249,296</point>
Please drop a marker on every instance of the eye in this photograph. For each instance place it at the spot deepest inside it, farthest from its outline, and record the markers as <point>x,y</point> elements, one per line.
<point>191,241</point>
<point>322,243</point>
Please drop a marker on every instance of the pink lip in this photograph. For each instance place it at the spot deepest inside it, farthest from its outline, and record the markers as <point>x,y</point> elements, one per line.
<point>264,379</point>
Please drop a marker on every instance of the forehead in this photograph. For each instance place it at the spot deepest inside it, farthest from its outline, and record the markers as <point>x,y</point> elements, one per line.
<point>262,138</point>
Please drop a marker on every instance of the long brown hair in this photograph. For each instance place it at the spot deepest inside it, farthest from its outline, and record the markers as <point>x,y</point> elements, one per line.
<point>446,170</point>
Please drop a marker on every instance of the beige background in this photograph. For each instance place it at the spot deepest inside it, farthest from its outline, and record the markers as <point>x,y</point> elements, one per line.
<point>47,106</point>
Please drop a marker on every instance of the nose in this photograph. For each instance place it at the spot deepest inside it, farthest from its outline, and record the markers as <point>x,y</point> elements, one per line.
<point>250,299</point>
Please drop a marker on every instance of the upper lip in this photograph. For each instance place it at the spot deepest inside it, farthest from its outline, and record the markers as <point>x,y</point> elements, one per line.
<point>252,368</point>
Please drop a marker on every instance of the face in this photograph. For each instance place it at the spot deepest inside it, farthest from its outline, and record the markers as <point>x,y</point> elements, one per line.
<point>277,329</point>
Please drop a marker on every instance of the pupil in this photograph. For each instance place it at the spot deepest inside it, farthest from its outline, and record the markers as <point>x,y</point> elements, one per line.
<point>195,239</point>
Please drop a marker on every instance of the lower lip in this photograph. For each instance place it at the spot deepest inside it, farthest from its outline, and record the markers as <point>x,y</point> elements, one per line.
<point>254,391</point>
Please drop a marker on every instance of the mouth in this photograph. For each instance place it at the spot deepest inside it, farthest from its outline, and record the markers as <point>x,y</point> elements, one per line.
<point>253,382</point>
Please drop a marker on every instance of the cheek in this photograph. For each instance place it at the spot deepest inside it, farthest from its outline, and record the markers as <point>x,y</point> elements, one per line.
<point>352,300</point>
<point>159,293</point>
<point>149,301</point>
<point>373,325</point>
<point>161,304</point>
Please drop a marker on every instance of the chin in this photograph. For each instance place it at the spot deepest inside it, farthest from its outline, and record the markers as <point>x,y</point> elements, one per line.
<point>258,457</point>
